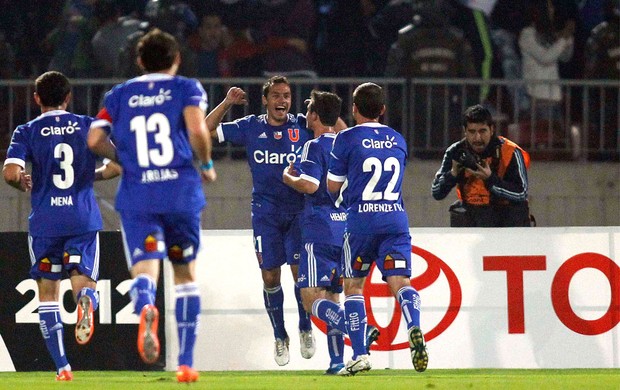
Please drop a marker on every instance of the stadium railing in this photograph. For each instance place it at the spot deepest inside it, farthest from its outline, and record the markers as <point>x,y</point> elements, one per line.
<point>585,126</point>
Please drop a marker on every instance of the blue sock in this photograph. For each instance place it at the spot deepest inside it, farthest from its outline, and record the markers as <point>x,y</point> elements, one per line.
<point>52,331</point>
<point>142,292</point>
<point>329,312</point>
<point>274,303</point>
<point>356,323</point>
<point>305,323</point>
<point>335,346</point>
<point>94,296</point>
<point>187,313</point>
<point>409,300</point>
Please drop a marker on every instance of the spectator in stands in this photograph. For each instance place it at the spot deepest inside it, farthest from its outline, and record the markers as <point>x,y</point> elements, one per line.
<point>171,16</point>
<point>490,173</point>
<point>430,47</point>
<point>341,39</point>
<point>7,66</point>
<point>111,37</point>
<point>73,53</point>
<point>71,39</point>
<point>384,25</point>
<point>207,45</point>
<point>542,47</point>
<point>507,19</point>
<point>7,71</point>
<point>471,16</point>
<point>603,46</point>
<point>286,26</point>
<point>603,63</point>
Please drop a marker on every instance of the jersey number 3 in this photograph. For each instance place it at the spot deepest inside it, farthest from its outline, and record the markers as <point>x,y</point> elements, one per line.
<point>159,123</point>
<point>64,152</point>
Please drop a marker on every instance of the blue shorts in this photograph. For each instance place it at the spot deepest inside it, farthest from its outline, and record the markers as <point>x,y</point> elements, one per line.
<point>50,256</point>
<point>320,266</point>
<point>277,239</point>
<point>390,252</point>
<point>157,236</point>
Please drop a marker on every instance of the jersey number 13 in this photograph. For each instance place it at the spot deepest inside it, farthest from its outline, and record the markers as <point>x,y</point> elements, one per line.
<point>158,123</point>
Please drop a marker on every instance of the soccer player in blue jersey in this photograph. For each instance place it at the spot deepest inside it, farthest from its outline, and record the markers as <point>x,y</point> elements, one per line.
<point>151,124</point>
<point>371,157</point>
<point>65,218</point>
<point>322,228</point>
<point>272,140</point>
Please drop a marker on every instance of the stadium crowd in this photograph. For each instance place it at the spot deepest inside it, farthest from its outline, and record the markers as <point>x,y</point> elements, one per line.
<point>225,38</point>
<point>501,40</point>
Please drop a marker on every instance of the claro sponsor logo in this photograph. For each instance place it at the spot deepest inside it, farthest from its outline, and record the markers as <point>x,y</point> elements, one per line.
<point>388,143</point>
<point>149,101</point>
<point>267,157</point>
<point>515,269</point>
<point>60,130</point>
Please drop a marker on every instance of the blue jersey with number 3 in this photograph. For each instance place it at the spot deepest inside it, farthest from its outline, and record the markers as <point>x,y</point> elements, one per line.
<point>63,172</point>
<point>148,129</point>
<point>372,158</point>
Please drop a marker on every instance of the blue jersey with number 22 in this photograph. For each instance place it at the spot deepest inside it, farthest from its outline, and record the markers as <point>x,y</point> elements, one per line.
<point>372,158</point>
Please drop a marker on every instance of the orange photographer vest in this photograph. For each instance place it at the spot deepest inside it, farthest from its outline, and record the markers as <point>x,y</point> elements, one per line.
<point>473,191</point>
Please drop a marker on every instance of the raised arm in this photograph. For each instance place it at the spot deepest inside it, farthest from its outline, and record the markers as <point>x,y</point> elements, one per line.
<point>234,96</point>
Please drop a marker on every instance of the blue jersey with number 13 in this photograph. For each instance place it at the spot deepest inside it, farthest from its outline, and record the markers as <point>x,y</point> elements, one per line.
<point>148,129</point>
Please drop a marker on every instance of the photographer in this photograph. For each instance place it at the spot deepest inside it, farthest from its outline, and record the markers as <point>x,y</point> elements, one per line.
<point>490,174</point>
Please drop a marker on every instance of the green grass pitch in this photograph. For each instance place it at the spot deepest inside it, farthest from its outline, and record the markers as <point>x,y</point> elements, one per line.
<point>301,380</point>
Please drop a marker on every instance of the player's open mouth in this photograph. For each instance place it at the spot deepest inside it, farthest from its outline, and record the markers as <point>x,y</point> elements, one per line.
<point>281,108</point>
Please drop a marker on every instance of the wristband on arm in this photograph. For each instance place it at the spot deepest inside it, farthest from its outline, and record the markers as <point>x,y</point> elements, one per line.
<point>206,166</point>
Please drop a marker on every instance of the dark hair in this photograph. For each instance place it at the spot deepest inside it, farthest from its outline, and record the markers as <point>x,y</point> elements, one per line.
<point>369,100</point>
<point>543,23</point>
<point>477,114</point>
<point>52,88</point>
<point>272,81</point>
<point>157,50</point>
<point>327,105</point>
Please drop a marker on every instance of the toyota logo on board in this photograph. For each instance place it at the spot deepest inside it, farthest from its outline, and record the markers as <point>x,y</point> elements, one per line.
<point>436,268</point>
